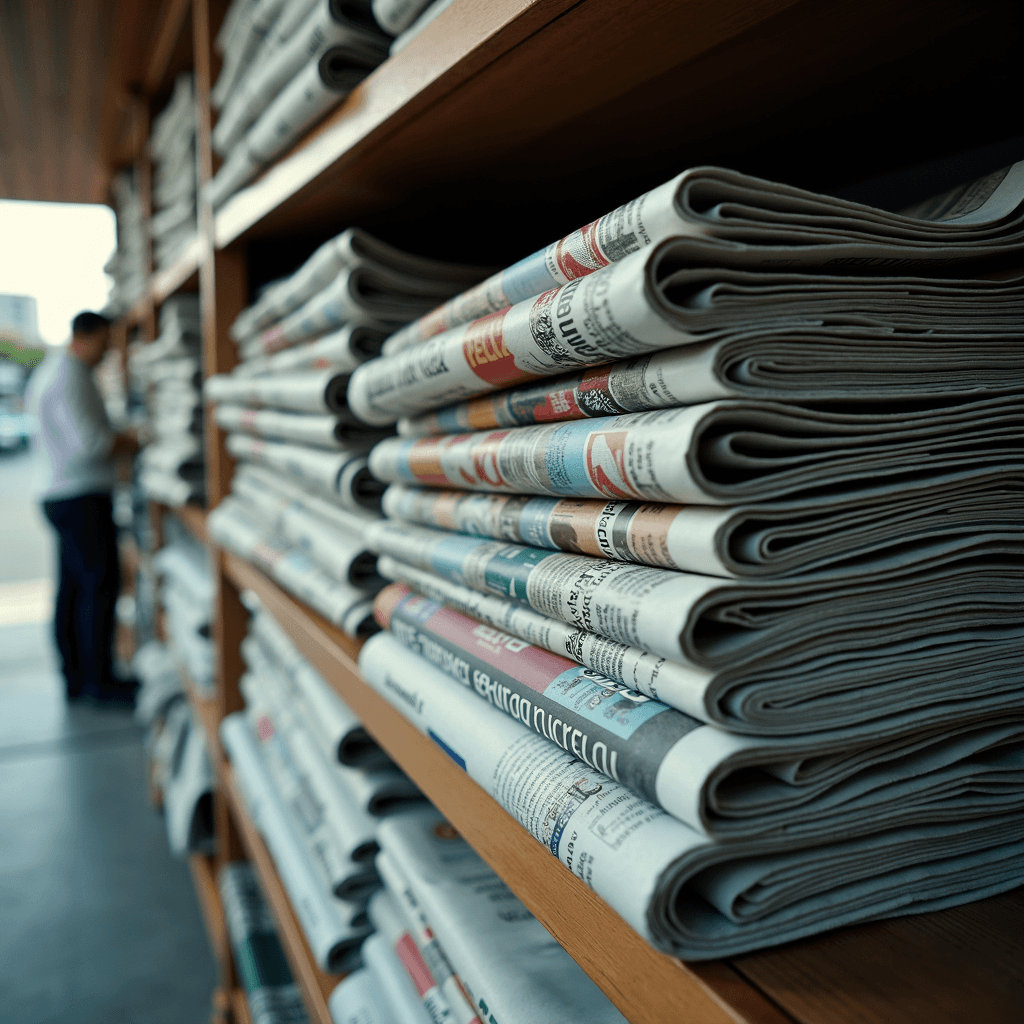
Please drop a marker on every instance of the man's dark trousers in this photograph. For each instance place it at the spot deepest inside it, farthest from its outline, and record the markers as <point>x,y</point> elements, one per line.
<point>90,578</point>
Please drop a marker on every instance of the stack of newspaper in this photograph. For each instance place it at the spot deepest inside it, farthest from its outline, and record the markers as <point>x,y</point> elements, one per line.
<point>747,602</point>
<point>170,372</point>
<point>286,64</point>
<point>316,787</point>
<point>129,264</point>
<point>172,144</point>
<point>270,991</point>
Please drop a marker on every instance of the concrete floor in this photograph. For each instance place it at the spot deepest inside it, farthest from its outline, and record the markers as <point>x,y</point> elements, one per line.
<point>98,923</point>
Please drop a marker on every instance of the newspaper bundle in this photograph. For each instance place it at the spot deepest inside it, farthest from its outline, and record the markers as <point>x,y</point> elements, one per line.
<point>777,539</point>
<point>336,833</point>
<point>187,784</point>
<point>359,999</point>
<point>270,991</point>
<point>327,25</point>
<point>337,731</point>
<point>722,453</point>
<point>978,219</point>
<point>341,350</point>
<point>721,785</point>
<point>971,673</point>
<point>503,955</point>
<point>352,248</point>
<point>172,146</point>
<point>403,1005</point>
<point>687,895</point>
<point>318,431</point>
<point>322,391</point>
<point>245,28</point>
<point>343,475</point>
<point>334,929</point>
<point>232,527</point>
<point>683,293</point>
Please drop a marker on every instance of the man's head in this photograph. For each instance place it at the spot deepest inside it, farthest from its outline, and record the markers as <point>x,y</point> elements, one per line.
<point>90,334</point>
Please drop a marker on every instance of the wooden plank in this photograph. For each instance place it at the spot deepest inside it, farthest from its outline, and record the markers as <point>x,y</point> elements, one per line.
<point>653,988</point>
<point>316,986</point>
<point>963,964</point>
<point>194,519</point>
<point>204,878</point>
<point>240,1007</point>
<point>173,18</point>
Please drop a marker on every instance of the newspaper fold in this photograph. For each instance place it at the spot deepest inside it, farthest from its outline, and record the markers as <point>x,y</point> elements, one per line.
<point>343,475</point>
<point>353,247</point>
<point>318,392</point>
<point>359,1000</point>
<point>341,351</point>
<point>687,895</point>
<point>683,293</point>
<point>230,526</point>
<point>775,539</point>
<point>334,929</point>
<point>722,453</point>
<point>978,219</point>
<point>393,982</point>
<point>326,430</point>
<point>721,785</point>
<point>970,675</point>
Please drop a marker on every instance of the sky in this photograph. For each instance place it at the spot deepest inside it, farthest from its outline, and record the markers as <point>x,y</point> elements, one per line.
<point>56,252</point>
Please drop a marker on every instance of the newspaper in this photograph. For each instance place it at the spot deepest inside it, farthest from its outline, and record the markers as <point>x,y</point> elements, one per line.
<point>247,33</point>
<point>342,553</point>
<point>156,668</point>
<point>365,294</point>
<point>353,247</point>
<point>339,840</point>
<point>393,983</point>
<point>775,539</point>
<point>336,730</point>
<point>514,969</point>
<point>722,453</point>
<point>341,351</point>
<point>721,785</point>
<point>316,89</point>
<point>359,1000</point>
<point>447,992</point>
<point>712,622</point>
<point>390,923</point>
<point>188,795</point>
<point>317,392</point>
<point>325,26</point>
<point>820,368</point>
<point>230,526</point>
<point>682,292</point>
<point>270,991</point>
<point>395,16</point>
<point>971,674</point>
<point>344,475</point>
<point>333,929</point>
<point>327,430</point>
<point>981,218</point>
<point>690,896</point>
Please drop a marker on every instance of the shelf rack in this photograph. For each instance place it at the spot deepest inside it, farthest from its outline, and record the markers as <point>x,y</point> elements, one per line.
<point>504,102</point>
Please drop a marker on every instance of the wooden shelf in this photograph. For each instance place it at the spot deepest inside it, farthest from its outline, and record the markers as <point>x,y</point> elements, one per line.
<point>204,878</point>
<point>316,986</point>
<point>962,964</point>
<point>182,275</point>
<point>194,519</point>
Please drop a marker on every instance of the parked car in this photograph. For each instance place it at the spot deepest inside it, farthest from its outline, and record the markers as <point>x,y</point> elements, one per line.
<point>15,426</point>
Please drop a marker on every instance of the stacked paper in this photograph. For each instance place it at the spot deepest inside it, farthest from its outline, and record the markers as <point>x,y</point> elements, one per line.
<point>129,265</point>
<point>705,527</point>
<point>172,145</point>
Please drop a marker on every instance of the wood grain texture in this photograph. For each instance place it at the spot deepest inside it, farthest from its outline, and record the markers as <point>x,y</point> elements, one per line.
<point>240,1007</point>
<point>654,988</point>
<point>204,879</point>
<point>194,519</point>
<point>316,986</point>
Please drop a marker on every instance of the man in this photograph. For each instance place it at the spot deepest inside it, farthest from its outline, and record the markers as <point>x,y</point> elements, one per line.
<point>77,451</point>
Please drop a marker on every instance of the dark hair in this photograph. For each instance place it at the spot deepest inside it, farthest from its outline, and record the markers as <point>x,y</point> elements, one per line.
<point>88,323</point>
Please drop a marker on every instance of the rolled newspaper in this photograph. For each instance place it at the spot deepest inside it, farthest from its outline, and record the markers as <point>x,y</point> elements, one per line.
<point>775,539</point>
<point>396,16</point>
<point>682,292</point>
<point>976,219</point>
<point>970,673</point>
<point>393,982</point>
<point>341,351</point>
<point>690,896</point>
<point>359,1000</point>
<point>317,392</point>
<point>722,453</point>
<point>327,430</point>
<point>721,785</point>
<point>240,43</point>
<point>333,929</point>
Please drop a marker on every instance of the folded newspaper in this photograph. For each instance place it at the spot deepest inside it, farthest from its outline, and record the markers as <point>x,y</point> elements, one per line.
<point>330,431</point>
<point>721,785</point>
<point>722,453</point>
<point>683,293</point>
<point>232,526</point>
<point>342,475</point>
<point>270,991</point>
<point>688,895</point>
<point>317,392</point>
<point>776,538</point>
<point>352,248</point>
<point>981,218</point>
<point>341,350</point>
<point>972,673</point>
<point>333,929</point>
<point>393,982</point>
<point>360,1000</point>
